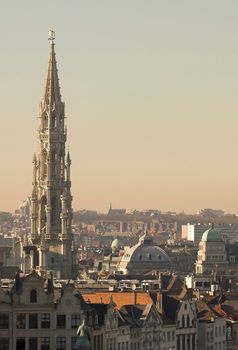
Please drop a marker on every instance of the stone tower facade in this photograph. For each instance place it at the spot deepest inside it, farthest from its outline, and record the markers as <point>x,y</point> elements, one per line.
<point>51,210</point>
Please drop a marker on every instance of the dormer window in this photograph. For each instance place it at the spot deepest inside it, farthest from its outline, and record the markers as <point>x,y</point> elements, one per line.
<point>33,296</point>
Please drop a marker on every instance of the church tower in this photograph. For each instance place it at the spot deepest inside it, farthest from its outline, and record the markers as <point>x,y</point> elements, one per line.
<point>51,211</point>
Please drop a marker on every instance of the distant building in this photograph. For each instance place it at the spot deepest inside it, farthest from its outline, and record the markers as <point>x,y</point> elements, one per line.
<point>188,232</point>
<point>210,213</point>
<point>116,212</point>
<point>144,257</point>
<point>212,256</point>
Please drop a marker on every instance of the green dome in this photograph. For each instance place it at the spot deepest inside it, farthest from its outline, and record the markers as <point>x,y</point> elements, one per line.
<point>117,244</point>
<point>212,235</point>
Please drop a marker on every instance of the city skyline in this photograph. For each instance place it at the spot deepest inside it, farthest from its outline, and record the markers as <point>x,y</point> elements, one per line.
<point>146,129</point>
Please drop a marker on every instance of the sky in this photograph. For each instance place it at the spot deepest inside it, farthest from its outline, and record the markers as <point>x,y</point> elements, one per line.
<point>150,88</point>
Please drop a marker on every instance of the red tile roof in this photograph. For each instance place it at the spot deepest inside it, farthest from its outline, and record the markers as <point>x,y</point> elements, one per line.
<point>119,298</point>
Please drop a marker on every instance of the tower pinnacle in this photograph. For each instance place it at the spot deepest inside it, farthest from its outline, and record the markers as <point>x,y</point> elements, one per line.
<point>52,88</point>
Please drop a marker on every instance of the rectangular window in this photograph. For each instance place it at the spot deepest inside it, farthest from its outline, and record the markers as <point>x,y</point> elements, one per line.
<point>21,321</point>
<point>73,343</point>
<point>61,343</point>
<point>173,335</point>
<point>75,321</point>
<point>21,343</point>
<point>45,320</point>
<point>45,343</point>
<point>4,344</point>
<point>33,343</point>
<point>61,321</point>
<point>33,321</point>
<point>4,321</point>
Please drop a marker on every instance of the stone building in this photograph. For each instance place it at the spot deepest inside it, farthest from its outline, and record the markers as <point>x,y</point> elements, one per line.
<point>212,254</point>
<point>50,242</point>
<point>143,258</point>
<point>211,328</point>
<point>35,314</point>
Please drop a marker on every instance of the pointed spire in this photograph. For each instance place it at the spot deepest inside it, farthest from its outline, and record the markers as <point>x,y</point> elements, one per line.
<point>68,160</point>
<point>34,161</point>
<point>52,89</point>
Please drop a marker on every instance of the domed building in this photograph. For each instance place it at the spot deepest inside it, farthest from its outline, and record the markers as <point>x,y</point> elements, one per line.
<point>212,253</point>
<point>117,245</point>
<point>142,258</point>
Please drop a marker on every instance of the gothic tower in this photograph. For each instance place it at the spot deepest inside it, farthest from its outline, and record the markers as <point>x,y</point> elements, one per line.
<point>51,212</point>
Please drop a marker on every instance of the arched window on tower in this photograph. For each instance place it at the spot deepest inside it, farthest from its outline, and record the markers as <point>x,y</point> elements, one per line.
<point>53,211</point>
<point>33,296</point>
<point>42,212</point>
<point>54,163</point>
<point>183,321</point>
<point>45,121</point>
<point>61,121</point>
<point>43,163</point>
<point>188,321</point>
<point>53,120</point>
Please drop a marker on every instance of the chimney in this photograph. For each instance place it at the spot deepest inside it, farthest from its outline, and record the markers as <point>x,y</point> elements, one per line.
<point>50,283</point>
<point>17,283</point>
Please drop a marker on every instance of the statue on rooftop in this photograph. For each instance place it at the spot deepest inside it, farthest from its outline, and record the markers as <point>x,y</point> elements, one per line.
<point>83,341</point>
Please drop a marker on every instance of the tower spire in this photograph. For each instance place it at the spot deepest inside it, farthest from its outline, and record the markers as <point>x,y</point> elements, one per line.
<point>52,88</point>
<point>51,196</point>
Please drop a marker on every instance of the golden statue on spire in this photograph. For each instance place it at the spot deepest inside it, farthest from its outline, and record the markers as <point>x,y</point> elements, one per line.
<point>51,35</point>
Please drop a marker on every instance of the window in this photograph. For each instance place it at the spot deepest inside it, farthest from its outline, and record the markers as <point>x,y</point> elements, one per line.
<point>33,321</point>
<point>188,321</point>
<point>173,335</point>
<point>20,344</point>
<point>75,321</point>
<point>33,296</point>
<point>61,343</point>
<point>32,344</point>
<point>4,344</point>
<point>21,321</point>
<point>73,343</point>
<point>168,336</point>
<point>45,320</point>
<point>61,321</point>
<point>183,321</point>
<point>4,321</point>
<point>45,343</point>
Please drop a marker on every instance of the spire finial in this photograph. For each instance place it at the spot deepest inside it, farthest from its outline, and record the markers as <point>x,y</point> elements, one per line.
<point>51,35</point>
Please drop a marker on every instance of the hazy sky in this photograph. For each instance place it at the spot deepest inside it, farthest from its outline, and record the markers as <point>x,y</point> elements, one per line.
<point>151,93</point>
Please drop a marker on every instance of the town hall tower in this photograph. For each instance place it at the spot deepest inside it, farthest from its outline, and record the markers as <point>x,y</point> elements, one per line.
<point>51,210</point>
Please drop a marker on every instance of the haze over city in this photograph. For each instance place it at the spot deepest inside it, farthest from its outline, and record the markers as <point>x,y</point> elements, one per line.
<point>150,90</point>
